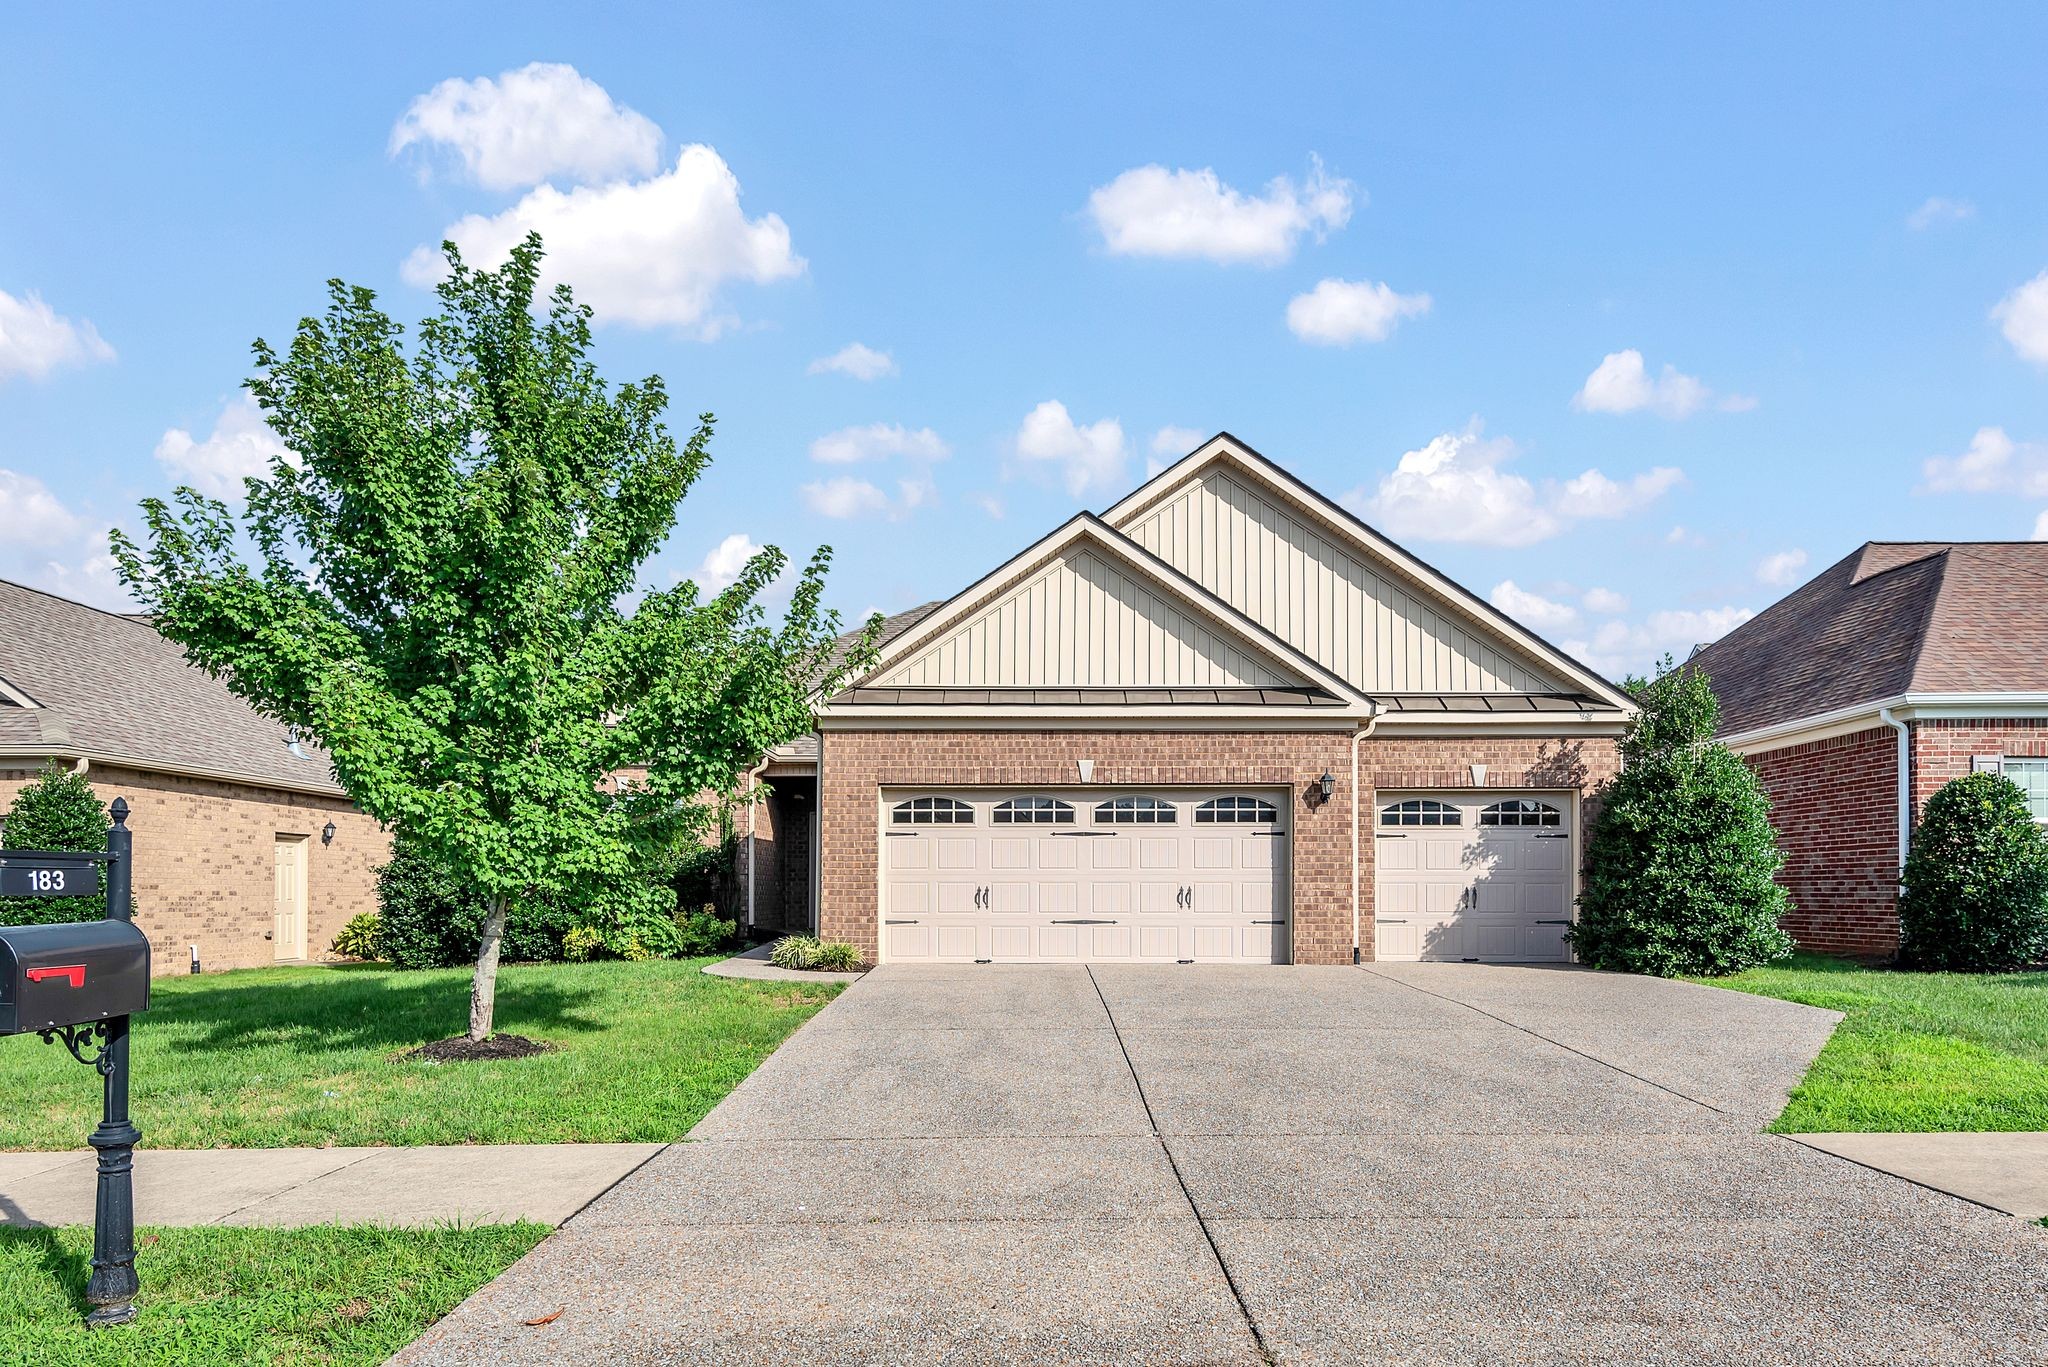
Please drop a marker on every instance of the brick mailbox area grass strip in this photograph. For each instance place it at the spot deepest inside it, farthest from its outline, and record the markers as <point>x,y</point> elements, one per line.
<point>267,1058</point>
<point>329,1295</point>
<point>1916,1052</point>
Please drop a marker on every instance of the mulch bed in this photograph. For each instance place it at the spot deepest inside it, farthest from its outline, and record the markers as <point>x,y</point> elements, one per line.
<point>463,1049</point>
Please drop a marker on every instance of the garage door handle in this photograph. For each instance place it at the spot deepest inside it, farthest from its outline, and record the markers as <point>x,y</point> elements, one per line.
<point>1084,923</point>
<point>899,923</point>
<point>1392,920</point>
<point>1552,837</point>
<point>1553,923</point>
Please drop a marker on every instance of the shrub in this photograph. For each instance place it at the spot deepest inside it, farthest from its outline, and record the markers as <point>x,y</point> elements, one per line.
<point>705,932</point>
<point>1680,864</point>
<point>795,951</point>
<point>582,942</point>
<point>1975,896</point>
<point>430,919</point>
<point>358,939</point>
<point>59,811</point>
<point>704,877</point>
<point>836,956</point>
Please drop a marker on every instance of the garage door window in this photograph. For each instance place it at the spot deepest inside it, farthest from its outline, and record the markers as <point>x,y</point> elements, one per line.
<point>1520,811</point>
<point>932,811</point>
<point>1235,811</point>
<point>1033,811</point>
<point>1136,811</point>
<point>1420,812</point>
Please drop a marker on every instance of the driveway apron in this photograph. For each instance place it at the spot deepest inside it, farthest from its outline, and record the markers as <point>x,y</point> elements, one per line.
<point>1214,1165</point>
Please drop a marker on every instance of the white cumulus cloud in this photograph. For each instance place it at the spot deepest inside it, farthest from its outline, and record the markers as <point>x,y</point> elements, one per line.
<point>1621,383</point>
<point>1087,457</point>
<point>847,496</point>
<point>1936,209</point>
<point>1993,464</point>
<point>1151,211</point>
<point>32,515</point>
<point>653,253</point>
<point>878,441</point>
<point>1782,568</point>
<point>1606,602</point>
<point>856,362</point>
<point>991,504</point>
<point>1176,441</point>
<point>724,562</point>
<point>2023,317</point>
<point>1532,609</point>
<point>1619,648</point>
<point>1340,312</point>
<point>1457,489</point>
<point>241,446</point>
<point>2041,526</point>
<point>35,339</point>
<point>527,126</point>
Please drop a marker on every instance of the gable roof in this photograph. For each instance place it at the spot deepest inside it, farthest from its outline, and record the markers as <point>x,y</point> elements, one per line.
<point>1509,655</point>
<point>1890,619</point>
<point>1123,591</point>
<point>104,686</point>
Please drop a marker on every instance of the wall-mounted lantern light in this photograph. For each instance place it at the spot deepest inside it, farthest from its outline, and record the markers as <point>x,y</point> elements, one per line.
<point>1327,786</point>
<point>327,834</point>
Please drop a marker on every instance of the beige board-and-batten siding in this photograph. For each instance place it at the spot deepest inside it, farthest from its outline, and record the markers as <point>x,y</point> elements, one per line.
<point>858,764</point>
<point>206,862</point>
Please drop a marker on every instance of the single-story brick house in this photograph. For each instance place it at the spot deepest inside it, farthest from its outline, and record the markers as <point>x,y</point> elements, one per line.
<point>1858,695</point>
<point>230,813</point>
<point>1222,721</point>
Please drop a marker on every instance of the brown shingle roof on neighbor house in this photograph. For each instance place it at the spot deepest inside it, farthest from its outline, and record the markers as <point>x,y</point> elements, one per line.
<point>1889,619</point>
<point>109,688</point>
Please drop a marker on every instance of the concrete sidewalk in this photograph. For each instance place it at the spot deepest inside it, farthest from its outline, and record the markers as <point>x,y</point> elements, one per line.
<point>754,964</point>
<point>2007,1172</point>
<point>471,1183</point>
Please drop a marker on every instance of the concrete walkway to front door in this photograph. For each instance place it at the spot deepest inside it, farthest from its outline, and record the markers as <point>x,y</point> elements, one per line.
<point>1417,1163</point>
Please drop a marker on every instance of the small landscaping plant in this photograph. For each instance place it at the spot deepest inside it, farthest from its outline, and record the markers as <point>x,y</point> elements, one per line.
<point>358,939</point>
<point>809,952</point>
<point>1975,896</point>
<point>1681,862</point>
<point>835,956</point>
<point>59,811</point>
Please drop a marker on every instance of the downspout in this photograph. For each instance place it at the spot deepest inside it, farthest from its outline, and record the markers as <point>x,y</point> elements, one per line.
<point>753,802</point>
<point>1905,767</point>
<point>1357,736</point>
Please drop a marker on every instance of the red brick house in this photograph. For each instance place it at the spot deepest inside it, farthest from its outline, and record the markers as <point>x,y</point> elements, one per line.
<point>1223,721</point>
<point>232,816</point>
<point>1857,696</point>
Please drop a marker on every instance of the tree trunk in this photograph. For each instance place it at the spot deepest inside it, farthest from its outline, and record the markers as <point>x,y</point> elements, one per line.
<point>483,988</point>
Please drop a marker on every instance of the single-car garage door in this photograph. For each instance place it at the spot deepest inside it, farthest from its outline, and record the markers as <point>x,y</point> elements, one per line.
<point>1089,875</point>
<point>1473,876</point>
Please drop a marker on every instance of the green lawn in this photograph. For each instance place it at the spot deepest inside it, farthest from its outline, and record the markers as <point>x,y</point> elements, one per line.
<point>328,1295</point>
<point>1916,1051</point>
<point>298,1056</point>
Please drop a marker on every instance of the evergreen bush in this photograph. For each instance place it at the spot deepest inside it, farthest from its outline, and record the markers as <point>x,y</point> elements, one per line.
<point>1975,896</point>
<point>58,811</point>
<point>1681,861</point>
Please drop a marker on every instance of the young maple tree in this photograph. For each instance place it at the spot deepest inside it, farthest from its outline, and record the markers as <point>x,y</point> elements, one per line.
<point>443,560</point>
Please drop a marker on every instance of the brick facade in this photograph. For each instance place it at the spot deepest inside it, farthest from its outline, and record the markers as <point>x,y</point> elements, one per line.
<point>1834,804</point>
<point>1942,747</point>
<point>857,764</point>
<point>204,863</point>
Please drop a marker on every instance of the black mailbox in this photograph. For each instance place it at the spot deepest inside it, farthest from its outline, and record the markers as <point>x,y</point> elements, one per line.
<point>71,974</point>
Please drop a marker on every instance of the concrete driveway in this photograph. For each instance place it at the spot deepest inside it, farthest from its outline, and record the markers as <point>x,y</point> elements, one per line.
<point>1412,1163</point>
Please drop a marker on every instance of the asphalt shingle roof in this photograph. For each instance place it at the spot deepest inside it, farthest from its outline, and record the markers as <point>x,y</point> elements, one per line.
<point>108,686</point>
<point>1890,618</point>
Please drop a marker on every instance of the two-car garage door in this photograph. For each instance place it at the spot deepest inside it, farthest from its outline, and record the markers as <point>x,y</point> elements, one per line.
<point>1090,875</point>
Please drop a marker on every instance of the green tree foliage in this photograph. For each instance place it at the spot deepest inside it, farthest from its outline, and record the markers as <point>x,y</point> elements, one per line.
<point>1681,860</point>
<point>1975,896</point>
<point>443,563</point>
<point>59,811</point>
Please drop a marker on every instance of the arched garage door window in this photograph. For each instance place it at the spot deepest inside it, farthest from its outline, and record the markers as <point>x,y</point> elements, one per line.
<point>1420,811</point>
<point>932,811</point>
<point>1033,811</point>
<point>1135,811</point>
<point>1521,811</point>
<point>1235,811</point>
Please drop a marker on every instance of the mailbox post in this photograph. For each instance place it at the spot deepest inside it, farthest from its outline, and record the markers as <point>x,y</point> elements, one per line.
<point>80,983</point>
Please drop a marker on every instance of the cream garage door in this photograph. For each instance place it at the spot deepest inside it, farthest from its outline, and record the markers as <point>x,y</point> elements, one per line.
<point>1479,876</point>
<point>1084,875</point>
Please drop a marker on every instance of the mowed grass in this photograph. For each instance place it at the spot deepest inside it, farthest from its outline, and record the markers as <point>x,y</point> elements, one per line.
<point>1916,1051</point>
<point>309,1056</point>
<point>329,1295</point>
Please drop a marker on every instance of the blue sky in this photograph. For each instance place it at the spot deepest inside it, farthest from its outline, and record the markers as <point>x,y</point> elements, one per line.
<point>1779,275</point>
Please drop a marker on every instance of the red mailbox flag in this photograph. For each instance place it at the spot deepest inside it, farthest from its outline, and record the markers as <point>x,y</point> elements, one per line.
<point>74,972</point>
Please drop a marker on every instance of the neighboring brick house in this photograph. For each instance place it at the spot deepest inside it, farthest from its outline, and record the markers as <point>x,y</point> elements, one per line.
<point>230,814</point>
<point>1855,697</point>
<point>1224,721</point>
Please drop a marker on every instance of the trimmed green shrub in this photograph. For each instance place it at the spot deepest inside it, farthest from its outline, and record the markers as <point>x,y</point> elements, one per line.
<point>358,939</point>
<point>795,951</point>
<point>705,932</point>
<point>1681,862</point>
<point>432,920</point>
<point>1975,896</point>
<point>59,811</point>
